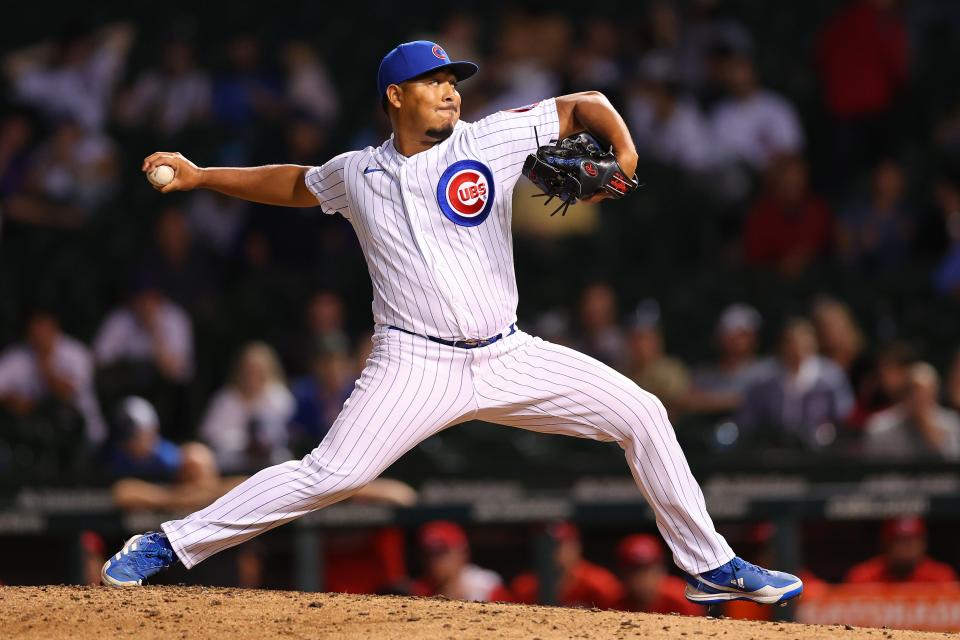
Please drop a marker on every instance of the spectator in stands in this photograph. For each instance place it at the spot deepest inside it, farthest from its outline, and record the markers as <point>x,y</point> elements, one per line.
<point>876,232</point>
<point>885,383</point>
<point>647,585</point>
<point>788,227</point>
<point>801,398</point>
<point>947,274</point>
<point>321,394</point>
<point>74,76</point>
<point>753,126</point>
<point>245,93</point>
<point>67,178</point>
<point>169,97</point>
<point>246,421</point>
<point>197,482</point>
<point>665,126</point>
<point>918,426</point>
<point>862,60</point>
<point>599,333</point>
<point>16,147</point>
<point>904,558</point>
<point>50,366</point>
<point>176,265</point>
<point>309,88</point>
<point>139,449</point>
<point>148,330</point>
<point>581,583</point>
<point>448,571</point>
<point>840,339</point>
<point>648,365</point>
<point>719,387</point>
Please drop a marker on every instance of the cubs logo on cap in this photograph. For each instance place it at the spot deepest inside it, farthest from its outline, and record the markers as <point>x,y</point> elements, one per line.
<point>412,59</point>
<point>465,192</point>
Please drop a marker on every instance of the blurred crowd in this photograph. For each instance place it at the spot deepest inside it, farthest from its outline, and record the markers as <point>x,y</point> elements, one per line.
<point>821,386</point>
<point>239,326</point>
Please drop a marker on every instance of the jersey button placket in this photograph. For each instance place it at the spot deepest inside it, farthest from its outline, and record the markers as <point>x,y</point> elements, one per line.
<point>412,208</point>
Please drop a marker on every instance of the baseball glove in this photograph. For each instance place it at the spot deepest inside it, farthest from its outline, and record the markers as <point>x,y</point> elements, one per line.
<point>574,168</point>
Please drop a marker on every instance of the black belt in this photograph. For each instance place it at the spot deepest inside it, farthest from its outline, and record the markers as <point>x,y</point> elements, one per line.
<point>472,343</point>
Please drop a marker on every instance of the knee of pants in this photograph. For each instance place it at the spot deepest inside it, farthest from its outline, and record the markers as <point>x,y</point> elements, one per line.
<point>330,476</point>
<point>648,416</point>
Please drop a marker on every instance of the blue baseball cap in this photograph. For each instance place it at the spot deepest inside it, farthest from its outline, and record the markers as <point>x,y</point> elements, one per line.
<point>412,59</point>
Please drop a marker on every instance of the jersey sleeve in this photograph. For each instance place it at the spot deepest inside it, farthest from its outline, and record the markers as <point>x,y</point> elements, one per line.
<point>506,138</point>
<point>328,185</point>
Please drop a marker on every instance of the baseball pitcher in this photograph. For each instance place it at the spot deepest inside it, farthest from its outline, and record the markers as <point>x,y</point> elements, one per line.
<point>431,207</point>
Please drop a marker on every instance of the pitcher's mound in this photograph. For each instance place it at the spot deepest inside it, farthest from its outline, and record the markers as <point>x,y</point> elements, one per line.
<point>167,613</point>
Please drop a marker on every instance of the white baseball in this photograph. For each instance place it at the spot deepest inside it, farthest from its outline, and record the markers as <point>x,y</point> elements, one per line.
<point>161,175</point>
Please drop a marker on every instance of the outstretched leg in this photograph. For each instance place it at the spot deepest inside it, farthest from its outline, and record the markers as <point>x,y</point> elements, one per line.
<point>532,384</point>
<point>410,389</point>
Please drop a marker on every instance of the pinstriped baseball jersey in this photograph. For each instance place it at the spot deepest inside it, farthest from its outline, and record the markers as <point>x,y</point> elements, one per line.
<point>435,227</point>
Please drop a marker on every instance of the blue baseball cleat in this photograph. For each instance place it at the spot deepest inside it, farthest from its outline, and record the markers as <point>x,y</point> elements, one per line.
<point>140,558</point>
<point>740,580</point>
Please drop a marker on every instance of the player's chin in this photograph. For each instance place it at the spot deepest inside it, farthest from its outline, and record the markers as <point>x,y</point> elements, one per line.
<point>441,131</point>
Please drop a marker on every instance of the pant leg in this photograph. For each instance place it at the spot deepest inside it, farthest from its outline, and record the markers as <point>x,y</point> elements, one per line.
<point>533,384</point>
<point>410,389</point>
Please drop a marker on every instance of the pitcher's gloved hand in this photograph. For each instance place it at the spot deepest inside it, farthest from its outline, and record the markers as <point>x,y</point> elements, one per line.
<point>577,168</point>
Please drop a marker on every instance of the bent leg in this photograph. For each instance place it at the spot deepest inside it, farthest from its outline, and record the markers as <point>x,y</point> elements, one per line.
<point>410,389</point>
<point>536,385</point>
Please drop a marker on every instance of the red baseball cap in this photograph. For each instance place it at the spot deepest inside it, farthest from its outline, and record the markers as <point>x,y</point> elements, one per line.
<point>639,550</point>
<point>91,542</point>
<point>761,533</point>
<point>441,535</point>
<point>563,531</point>
<point>908,527</point>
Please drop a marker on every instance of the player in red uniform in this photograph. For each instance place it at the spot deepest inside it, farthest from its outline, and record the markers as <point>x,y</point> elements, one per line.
<point>647,585</point>
<point>448,570</point>
<point>904,558</point>
<point>582,583</point>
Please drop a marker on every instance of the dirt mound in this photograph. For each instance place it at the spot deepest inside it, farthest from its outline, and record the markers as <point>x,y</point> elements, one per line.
<point>236,614</point>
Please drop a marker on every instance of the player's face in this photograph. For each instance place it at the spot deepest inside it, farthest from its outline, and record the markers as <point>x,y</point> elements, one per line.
<point>446,565</point>
<point>643,583</point>
<point>431,104</point>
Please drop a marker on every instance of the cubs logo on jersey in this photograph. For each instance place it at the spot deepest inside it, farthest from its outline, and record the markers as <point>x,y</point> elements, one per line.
<point>465,192</point>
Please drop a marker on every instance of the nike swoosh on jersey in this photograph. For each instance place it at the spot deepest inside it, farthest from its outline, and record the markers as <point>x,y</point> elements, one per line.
<point>371,170</point>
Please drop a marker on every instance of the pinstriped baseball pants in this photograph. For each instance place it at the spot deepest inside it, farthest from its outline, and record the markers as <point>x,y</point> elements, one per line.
<point>412,388</point>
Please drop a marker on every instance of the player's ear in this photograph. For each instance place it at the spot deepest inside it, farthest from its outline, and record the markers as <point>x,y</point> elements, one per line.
<point>394,93</point>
